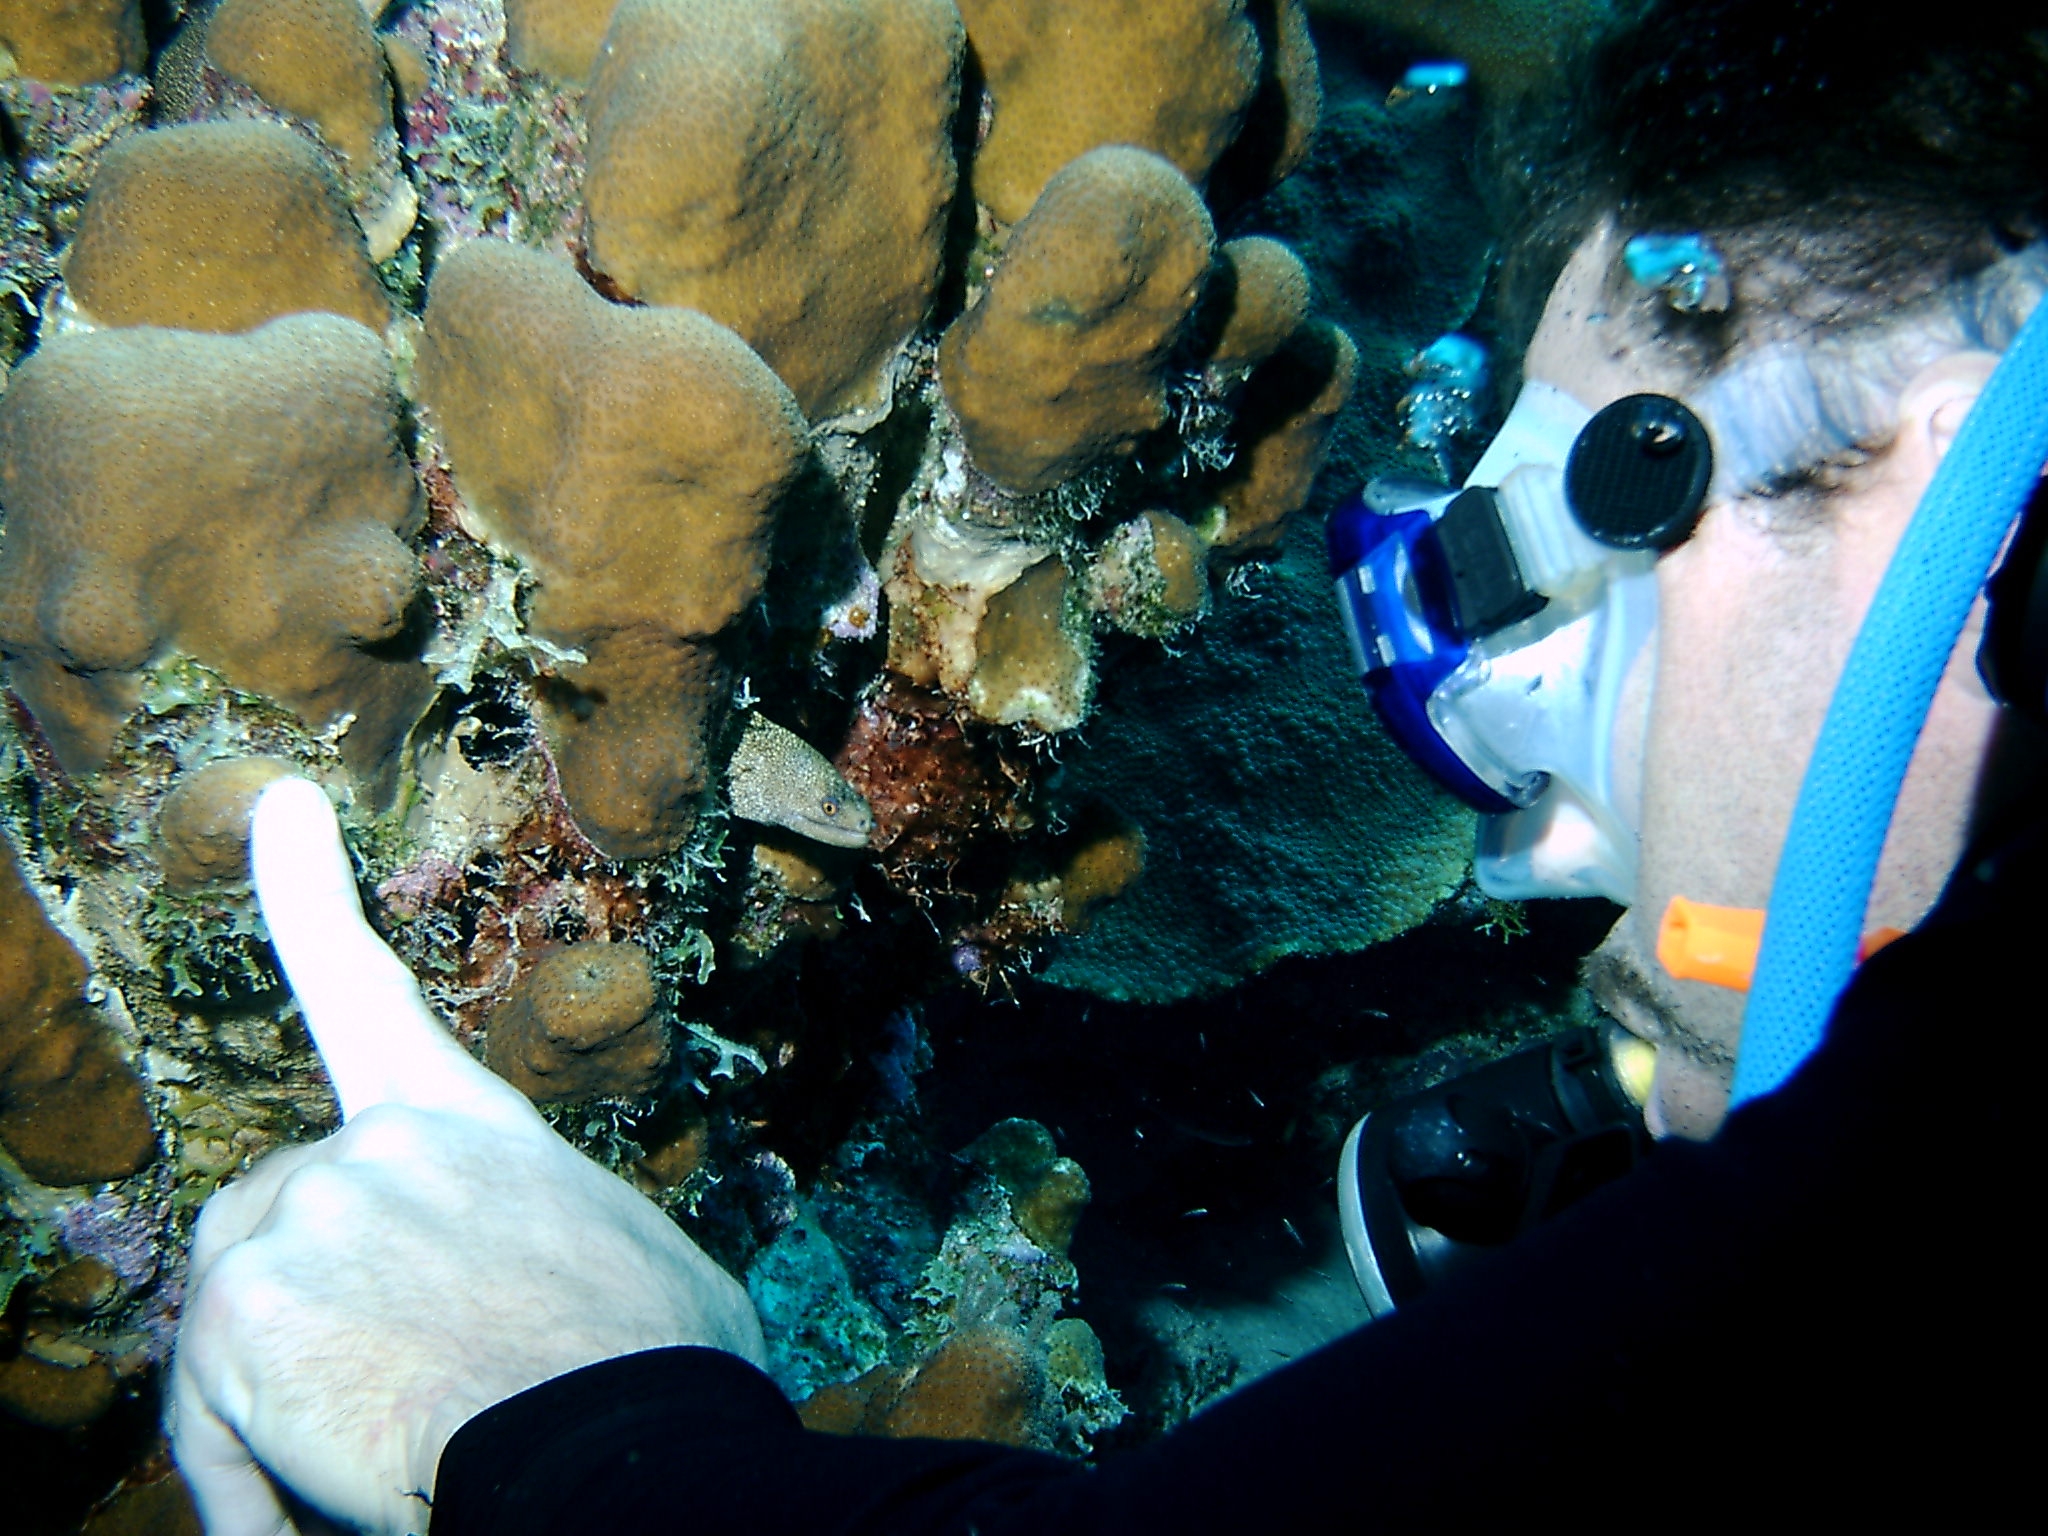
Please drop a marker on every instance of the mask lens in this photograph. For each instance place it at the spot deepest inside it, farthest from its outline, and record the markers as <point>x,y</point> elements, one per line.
<point>1638,474</point>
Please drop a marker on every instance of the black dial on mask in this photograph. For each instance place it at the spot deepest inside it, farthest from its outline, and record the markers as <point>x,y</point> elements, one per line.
<point>1638,474</point>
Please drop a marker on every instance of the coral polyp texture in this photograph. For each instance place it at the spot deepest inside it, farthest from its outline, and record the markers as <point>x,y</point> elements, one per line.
<point>219,227</point>
<point>785,166</point>
<point>202,827</point>
<point>316,59</point>
<point>579,1024</point>
<point>242,499</point>
<point>71,1108</point>
<point>1067,76</point>
<point>634,459</point>
<point>1063,362</point>
<point>71,42</point>
<point>557,37</point>
<point>1263,298</point>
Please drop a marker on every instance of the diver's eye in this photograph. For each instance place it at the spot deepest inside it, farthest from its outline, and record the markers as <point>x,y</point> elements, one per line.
<point>831,807</point>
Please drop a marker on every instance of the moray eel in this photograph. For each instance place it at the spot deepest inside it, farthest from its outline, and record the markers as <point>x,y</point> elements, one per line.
<point>779,778</point>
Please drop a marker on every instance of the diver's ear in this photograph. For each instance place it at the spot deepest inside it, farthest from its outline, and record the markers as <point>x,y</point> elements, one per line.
<point>1933,404</point>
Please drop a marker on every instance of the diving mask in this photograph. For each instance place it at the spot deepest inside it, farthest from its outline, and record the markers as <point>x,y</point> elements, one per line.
<point>1495,626</point>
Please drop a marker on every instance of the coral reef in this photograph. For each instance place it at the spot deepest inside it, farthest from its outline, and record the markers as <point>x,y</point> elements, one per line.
<point>1067,77</point>
<point>76,42</point>
<point>1062,364</point>
<point>784,166</point>
<point>580,1024</point>
<point>772,522</point>
<point>219,227</point>
<point>634,459</point>
<point>71,1108</point>
<point>243,498</point>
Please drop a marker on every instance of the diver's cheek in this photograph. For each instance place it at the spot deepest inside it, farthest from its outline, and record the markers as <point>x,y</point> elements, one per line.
<point>1687,1099</point>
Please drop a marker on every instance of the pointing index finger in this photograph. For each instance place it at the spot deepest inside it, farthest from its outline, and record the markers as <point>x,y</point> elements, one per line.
<point>373,1030</point>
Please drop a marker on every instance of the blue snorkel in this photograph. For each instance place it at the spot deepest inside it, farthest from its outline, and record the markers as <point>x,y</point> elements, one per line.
<point>1852,782</point>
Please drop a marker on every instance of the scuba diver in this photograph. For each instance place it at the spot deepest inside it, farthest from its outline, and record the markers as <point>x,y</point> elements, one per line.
<point>1744,612</point>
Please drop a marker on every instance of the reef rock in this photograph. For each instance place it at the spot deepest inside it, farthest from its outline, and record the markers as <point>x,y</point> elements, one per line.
<point>580,1025</point>
<point>71,1108</point>
<point>634,460</point>
<point>1062,363</point>
<point>243,499</point>
<point>786,167</point>
<point>219,227</point>
<point>1068,76</point>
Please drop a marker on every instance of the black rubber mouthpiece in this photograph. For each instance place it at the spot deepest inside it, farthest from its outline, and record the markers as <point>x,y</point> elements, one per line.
<point>1638,474</point>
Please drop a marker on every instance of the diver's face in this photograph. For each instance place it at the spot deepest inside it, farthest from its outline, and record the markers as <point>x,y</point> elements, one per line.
<point>1757,613</point>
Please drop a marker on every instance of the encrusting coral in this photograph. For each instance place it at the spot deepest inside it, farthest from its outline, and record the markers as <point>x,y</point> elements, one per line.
<point>580,1024</point>
<point>71,42</point>
<point>243,499</point>
<point>1067,76</point>
<point>786,167</point>
<point>71,1108</point>
<point>634,459</point>
<point>202,828</point>
<point>219,227</point>
<point>1062,363</point>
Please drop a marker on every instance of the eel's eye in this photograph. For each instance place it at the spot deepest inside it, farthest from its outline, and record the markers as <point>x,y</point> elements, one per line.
<point>831,807</point>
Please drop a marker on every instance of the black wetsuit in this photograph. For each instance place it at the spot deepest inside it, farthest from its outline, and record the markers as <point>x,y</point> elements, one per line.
<point>1825,1311</point>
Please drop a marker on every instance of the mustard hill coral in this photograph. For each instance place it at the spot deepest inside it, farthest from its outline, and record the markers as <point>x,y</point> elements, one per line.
<point>1266,300</point>
<point>202,828</point>
<point>316,59</point>
<point>634,459</point>
<point>71,42</point>
<point>1067,76</point>
<point>785,166</point>
<point>1062,362</point>
<point>219,227</point>
<point>579,1025</point>
<point>1034,662</point>
<point>243,499</point>
<point>1151,576</point>
<point>556,37</point>
<point>1291,403</point>
<point>71,1109</point>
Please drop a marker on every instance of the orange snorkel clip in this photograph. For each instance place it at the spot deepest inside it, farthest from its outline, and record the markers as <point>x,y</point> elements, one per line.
<point>1696,942</point>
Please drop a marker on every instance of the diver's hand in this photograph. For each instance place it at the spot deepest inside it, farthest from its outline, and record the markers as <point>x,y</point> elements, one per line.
<point>353,1302</point>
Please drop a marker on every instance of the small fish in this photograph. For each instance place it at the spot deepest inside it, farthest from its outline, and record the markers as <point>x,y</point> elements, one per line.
<point>779,778</point>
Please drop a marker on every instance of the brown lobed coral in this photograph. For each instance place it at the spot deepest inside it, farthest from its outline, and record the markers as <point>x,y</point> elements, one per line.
<point>579,1024</point>
<point>219,227</point>
<point>71,1108</point>
<point>243,499</point>
<point>1264,289</point>
<point>1062,362</point>
<point>202,828</point>
<point>1291,403</point>
<point>786,167</point>
<point>557,37</point>
<point>634,459</point>
<point>71,42</point>
<point>1067,76</point>
<point>316,59</point>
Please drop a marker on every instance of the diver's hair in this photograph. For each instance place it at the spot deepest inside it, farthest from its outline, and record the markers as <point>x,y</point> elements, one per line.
<point>1845,157</point>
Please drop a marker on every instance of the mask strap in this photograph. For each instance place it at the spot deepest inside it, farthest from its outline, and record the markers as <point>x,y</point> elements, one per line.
<point>1852,782</point>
